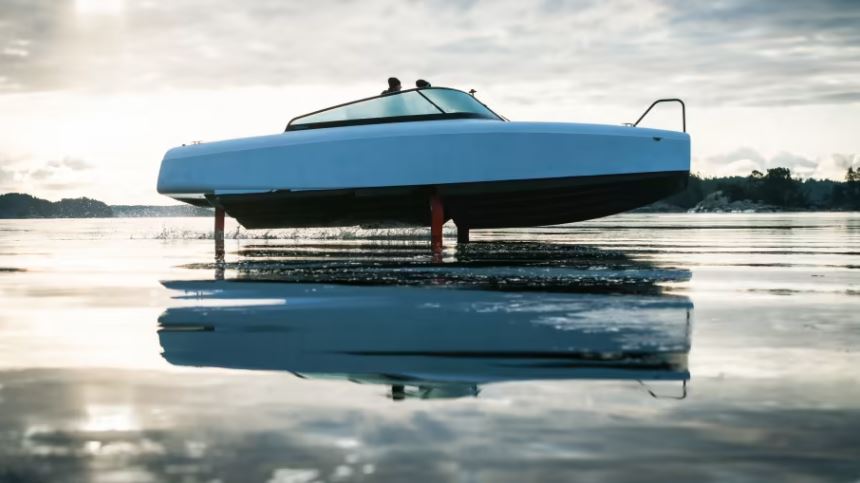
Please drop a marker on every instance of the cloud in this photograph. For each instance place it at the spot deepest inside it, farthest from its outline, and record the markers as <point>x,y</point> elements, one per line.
<point>71,163</point>
<point>6,176</point>
<point>800,166</point>
<point>55,175</point>
<point>8,173</point>
<point>742,161</point>
<point>740,154</point>
<point>40,174</point>
<point>836,165</point>
<point>758,54</point>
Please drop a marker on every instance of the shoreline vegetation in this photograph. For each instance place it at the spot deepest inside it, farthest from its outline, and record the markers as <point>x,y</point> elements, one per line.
<point>773,191</point>
<point>20,205</point>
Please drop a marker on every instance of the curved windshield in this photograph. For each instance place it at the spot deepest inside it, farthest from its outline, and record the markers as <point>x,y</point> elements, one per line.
<point>409,105</point>
<point>451,101</point>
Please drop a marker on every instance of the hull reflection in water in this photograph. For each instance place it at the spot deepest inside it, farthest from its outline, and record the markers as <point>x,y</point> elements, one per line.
<point>426,342</point>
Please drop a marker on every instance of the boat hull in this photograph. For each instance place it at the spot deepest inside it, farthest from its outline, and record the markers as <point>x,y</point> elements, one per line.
<point>502,204</point>
<point>489,174</point>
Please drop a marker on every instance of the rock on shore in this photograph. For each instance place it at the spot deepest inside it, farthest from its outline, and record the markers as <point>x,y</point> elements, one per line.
<point>718,202</point>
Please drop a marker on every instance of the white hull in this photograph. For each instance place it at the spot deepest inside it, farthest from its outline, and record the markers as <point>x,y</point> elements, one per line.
<point>427,153</point>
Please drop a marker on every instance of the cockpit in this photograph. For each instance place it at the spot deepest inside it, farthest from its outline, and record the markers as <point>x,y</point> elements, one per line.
<point>425,104</point>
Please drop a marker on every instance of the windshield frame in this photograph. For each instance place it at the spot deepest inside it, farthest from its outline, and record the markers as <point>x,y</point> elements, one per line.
<point>393,119</point>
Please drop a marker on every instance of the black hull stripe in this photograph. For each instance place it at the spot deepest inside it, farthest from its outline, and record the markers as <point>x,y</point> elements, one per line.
<point>497,204</point>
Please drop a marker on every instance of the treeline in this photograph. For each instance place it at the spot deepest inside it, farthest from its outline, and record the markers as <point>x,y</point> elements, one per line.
<point>20,205</point>
<point>777,188</point>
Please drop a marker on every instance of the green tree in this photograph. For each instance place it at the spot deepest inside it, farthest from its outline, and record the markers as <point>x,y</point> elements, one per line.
<point>780,189</point>
<point>849,195</point>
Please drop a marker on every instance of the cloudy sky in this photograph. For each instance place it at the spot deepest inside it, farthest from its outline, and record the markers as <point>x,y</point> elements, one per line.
<point>92,92</point>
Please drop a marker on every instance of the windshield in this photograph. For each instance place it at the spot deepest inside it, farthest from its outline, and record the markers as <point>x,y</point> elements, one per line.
<point>409,105</point>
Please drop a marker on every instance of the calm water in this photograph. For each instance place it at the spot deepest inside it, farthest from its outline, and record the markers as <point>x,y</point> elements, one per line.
<point>638,347</point>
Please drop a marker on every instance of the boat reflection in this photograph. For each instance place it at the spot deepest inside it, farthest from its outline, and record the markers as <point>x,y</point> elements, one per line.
<point>426,342</point>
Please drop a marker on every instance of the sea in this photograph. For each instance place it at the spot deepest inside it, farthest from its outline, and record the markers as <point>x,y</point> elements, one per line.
<point>638,347</point>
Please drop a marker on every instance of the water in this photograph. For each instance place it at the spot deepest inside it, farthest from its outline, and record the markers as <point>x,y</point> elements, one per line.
<point>637,347</point>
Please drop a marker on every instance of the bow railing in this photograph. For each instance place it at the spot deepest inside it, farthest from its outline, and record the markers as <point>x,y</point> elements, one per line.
<point>658,101</point>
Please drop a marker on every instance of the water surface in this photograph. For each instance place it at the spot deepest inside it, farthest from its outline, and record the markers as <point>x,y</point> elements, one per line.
<point>646,347</point>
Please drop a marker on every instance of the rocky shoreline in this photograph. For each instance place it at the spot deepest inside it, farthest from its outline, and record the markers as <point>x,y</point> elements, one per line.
<point>719,202</point>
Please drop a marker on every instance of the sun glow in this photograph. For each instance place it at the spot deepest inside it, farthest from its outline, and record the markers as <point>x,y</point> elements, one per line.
<point>102,417</point>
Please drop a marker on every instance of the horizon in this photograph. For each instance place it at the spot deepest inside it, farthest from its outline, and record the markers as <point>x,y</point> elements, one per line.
<point>93,92</point>
<point>172,202</point>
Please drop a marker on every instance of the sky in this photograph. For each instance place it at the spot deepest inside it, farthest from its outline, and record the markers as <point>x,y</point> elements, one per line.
<point>93,92</point>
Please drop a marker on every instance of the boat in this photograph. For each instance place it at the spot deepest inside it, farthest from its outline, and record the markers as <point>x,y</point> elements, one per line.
<point>424,156</point>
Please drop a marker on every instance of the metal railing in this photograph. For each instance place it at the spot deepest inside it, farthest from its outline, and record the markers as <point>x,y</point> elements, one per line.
<point>658,101</point>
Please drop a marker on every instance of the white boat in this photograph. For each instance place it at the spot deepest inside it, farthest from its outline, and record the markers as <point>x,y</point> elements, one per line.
<point>379,160</point>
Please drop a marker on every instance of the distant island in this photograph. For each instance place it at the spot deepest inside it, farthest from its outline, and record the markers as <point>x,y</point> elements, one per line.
<point>772,191</point>
<point>20,205</point>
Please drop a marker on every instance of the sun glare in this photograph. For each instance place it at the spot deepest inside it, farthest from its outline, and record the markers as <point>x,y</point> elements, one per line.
<point>99,7</point>
<point>101,417</point>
